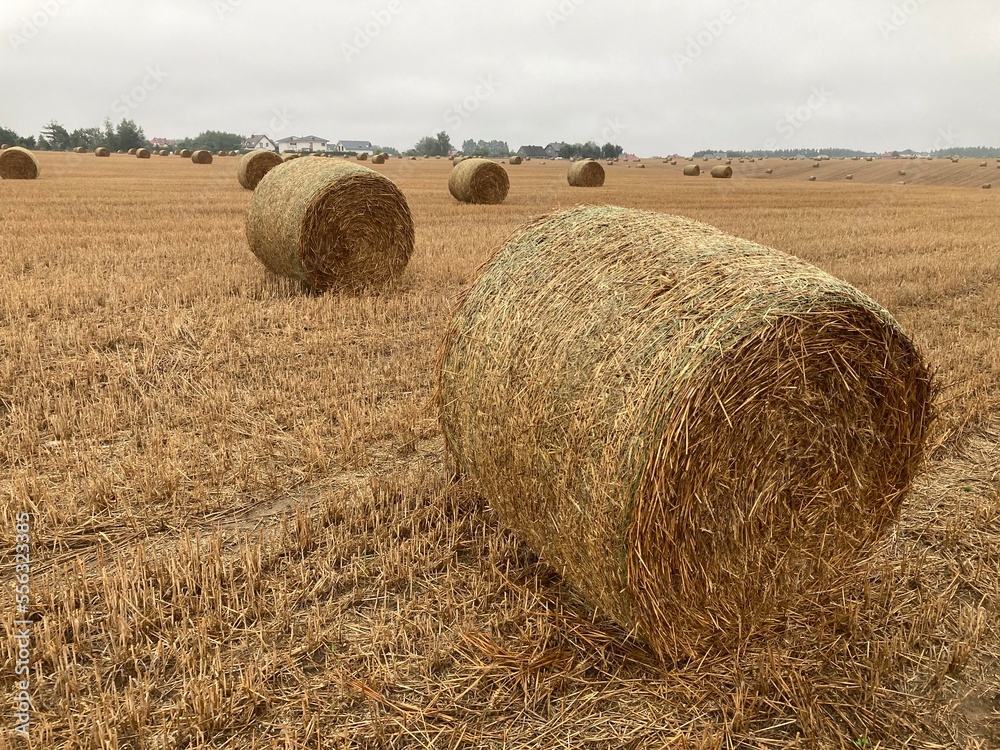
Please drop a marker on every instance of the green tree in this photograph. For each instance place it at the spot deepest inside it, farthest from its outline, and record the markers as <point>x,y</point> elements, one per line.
<point>430,145</point>
<point>611,150</point>
<point>11,138</point>
<point>444,144</point>
<point>57,136</point>
<point>129,135</point>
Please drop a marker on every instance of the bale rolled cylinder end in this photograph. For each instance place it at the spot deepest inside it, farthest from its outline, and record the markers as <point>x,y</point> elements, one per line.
<point>17,163</point>
<point>331,225</point>
<point>254,165</point>
<point>479,181</point>
<point>663,500</point>
<point>201,156</point>
<point>722,171</point>
<point>586,173</point>
<point>692,170</point>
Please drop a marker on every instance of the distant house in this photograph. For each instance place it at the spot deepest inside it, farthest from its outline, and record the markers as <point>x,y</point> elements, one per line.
<point>294,143</point>
<point>256,142</point>
<point>553,149</point>
<point>532,152</point>
<point>162,142</point>
<point>361,147</point>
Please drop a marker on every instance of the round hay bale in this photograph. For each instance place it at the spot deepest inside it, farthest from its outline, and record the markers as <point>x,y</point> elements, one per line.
<point>102,152</point>
<point>722,171</point>
<point>142,153</point>
<point>988,186</point>
<point>330,225</point>
<point>478,181</point>
<point>79,150</point>
<point>869,158</point>
<point>816,165</point>
<point>413,158</point>
<point>902,173</point>
<point>184,153</point>
<point>133,151</point>
<point>255,165</point>
<point>692,170</point>
<point>704,436</point>
<point>18,163</point>
<point>289,156</point>
<point>378,159</point>
<point>849,177</point>
<point>201,157</point>
<point>983,164</point>
<point>586,173</point>
<point>769,171</point>
<point>4,146</point>
<point>812,179</point>
<point>515,160</point>
<point>362,156</point>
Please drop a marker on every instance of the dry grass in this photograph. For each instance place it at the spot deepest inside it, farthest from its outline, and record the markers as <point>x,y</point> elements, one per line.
<point>330,225</point>
<point>245,535</point>
<point>18,163</point>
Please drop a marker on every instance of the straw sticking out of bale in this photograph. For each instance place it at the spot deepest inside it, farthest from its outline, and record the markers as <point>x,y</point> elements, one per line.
<point>586,173</point>
<point>254,166</point>
<point>704,436</point>
<point>692,170</point>
<point>101,151</point>
<point>478,181</point>
<point>18,163</point>
<point>330,224</point>
<point>201,157</point>
<point>142,153</point>
<point>722,171</point>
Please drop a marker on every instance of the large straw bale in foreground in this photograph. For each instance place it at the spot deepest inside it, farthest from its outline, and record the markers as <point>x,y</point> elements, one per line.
<point>701,434</point>
<point>722,171</point>
<point>330,224</point>
<point>478,181</point>
<point>254,165</point>
<point>586,173</point>
<point>18,163</point>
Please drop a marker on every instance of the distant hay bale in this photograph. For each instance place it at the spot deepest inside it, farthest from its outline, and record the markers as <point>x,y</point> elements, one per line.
<point>201,157</point>
<point>330,224</point>
<point>164,152</point>
<point>641,408</point>
<point>722,171</point>
<point>769,171</point>
<point>378,159</point>
<point>983,164</point>
<point>289,156</point>
<point>478,181</point>
<point>812,179</point>
<point>849,177</point>
<point>640,166</point>
<point>184,153</point>
<point>988,186</point>
<point>413,158</point>
<point>692,170</point>
<point>4,146</point>
<point>254,165</point>
<point>142,153</point>
<point>133,151</point>
<point>869,158</point>
<point>816,165</point>
<point>515,160</point>
<point>102,152</point>
<point>586,173</point>
<point>363,156</point>
<point>902,173</point>
<point>18,163</point>
<point>79,150</point>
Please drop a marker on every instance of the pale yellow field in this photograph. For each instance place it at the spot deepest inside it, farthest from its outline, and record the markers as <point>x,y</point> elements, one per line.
<point>244,534</point>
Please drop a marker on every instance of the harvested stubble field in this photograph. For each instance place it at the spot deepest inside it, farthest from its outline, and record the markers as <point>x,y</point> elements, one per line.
<point>245,533</point>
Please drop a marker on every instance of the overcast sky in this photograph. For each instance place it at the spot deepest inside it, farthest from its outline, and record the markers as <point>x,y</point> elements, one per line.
<point>655,76</point>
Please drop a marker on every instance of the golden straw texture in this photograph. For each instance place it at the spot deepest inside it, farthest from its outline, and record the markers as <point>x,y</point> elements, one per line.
<point>254,165</point>
<point>478,181</point>
<point>586,173</point>
<point>330,224</point>
<point>703,435</point>
<point>18,163</point>
<point>722,171</point>
<point>201,156</point>
<point>692,170</point>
